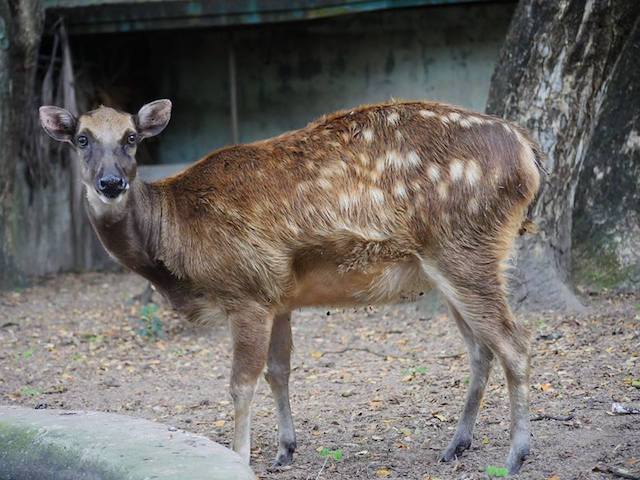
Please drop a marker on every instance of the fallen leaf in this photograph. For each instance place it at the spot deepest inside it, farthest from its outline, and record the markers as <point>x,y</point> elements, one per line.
<point>383,473</point>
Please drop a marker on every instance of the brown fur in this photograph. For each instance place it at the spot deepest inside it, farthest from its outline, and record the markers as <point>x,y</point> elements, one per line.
<point>256,221</point>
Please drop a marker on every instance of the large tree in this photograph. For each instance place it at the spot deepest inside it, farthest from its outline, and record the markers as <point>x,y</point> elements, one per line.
<point>569,73</point>
<point>21,23</point>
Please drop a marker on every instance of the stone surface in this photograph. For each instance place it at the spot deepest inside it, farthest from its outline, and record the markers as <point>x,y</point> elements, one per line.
<point>56,445</point>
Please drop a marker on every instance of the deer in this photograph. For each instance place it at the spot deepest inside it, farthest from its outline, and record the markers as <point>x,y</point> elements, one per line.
<point>361,207</point>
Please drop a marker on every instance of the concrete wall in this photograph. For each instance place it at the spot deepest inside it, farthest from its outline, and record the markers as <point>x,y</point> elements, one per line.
<point>292,73</point>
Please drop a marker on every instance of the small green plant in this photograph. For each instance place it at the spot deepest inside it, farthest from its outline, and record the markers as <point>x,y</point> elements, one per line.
<point>326,453</point>
<point>30,391</point>
<point>27,354</point>
<point>93,338</point>
<point>496,471</point>
<point>415,371</point>
<point>150,323</point>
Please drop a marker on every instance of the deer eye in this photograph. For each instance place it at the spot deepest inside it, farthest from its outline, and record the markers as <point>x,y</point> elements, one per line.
<point>82,141</point>
<point>131,139</point>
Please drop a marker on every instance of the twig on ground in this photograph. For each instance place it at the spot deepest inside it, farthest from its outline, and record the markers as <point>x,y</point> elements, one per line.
<point>362,349</point>
<point>618,472</point>
<point>553,417</point>
<point>453,355</point>
<point>321,468</point>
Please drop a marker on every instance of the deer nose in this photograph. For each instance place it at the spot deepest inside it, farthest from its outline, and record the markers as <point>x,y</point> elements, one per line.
<point>111,185</point>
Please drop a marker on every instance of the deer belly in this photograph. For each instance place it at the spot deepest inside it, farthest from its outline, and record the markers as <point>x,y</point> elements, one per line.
<point>379,284</point>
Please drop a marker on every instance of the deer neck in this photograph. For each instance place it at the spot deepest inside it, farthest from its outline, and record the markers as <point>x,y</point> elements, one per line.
<point>129,228</point>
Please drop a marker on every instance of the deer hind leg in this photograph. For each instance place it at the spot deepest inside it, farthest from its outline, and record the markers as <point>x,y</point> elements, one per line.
<point>277,375</point>
<point>250,332</point>
<point>480,299</point>
<point>480,361</point>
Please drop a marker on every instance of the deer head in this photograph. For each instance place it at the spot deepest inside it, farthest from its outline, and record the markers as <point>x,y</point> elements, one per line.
<point>106,141</point>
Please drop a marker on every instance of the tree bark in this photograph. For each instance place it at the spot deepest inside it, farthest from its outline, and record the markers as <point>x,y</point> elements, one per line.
<point>554,76</point>
<point>606,218</point>
<point>21,23</point>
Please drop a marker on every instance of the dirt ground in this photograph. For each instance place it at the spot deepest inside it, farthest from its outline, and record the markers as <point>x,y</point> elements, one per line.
<point>382,386</point>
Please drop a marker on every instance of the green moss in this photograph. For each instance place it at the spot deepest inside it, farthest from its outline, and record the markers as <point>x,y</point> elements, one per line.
<point>596,265</point>
<point>25,454</point>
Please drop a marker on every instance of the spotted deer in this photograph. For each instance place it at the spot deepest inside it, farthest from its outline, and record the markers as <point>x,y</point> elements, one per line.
<point>365,206</point>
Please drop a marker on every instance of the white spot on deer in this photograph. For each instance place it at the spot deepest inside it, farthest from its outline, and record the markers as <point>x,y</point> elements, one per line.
<point>443,190</point>
<point>464,123</point>
<point>472,172</point>
<point>324,184</point>
<point>474,119</point>
<point>347,201</point>
<point>433,172</point>
<point>427,113</point>
<point>377,196</point>
<point>455,170</point>
<point>398,135</point>
<point>393,118</point>
<point>399,190</point>
<point>367,134</point>
<point>472,205</point>
<point>413,159</point>
<point>454,117</point>
<point>393,159</point>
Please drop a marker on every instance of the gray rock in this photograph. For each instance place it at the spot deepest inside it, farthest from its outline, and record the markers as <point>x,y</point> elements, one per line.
<point>61,445</point>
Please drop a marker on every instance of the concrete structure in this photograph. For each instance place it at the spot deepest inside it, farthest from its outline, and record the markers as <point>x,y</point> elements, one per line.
<point>55,444</point>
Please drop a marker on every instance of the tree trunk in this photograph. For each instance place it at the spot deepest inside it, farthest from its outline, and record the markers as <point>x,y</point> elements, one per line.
<point>555,76</point>
<point>606,224</point>
<point>21,23</point>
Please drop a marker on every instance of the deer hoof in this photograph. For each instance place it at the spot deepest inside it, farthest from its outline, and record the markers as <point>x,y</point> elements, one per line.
<point>285,456</point>
<point>516,458</point>
<point>458,445</point>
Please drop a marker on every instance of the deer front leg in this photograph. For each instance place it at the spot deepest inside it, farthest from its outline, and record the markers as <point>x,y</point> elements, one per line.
<point>278,369</point>
<point>250,331</point>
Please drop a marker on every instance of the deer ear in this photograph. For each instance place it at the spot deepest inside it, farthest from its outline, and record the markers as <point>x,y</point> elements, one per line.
<point>58,123</point>
<point>153,117</point>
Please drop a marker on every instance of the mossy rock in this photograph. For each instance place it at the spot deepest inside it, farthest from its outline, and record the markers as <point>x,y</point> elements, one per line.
<point>60,445</point>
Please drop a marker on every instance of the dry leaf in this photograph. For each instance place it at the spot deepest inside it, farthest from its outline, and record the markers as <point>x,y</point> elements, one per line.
<point>383,473</point>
